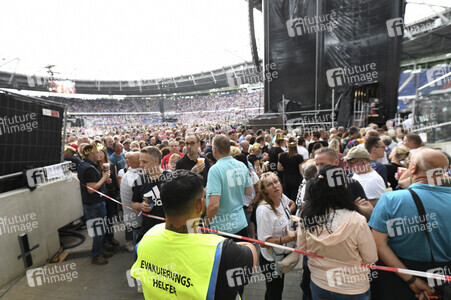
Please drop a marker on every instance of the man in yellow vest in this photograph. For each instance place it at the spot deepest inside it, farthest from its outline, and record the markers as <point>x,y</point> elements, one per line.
<point>176,262</point>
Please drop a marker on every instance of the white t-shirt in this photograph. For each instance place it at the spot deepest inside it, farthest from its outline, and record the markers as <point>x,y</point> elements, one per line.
<point>254,179</point>
<point>302,151</point>
<point>270,225</point>
<point>372,184</point>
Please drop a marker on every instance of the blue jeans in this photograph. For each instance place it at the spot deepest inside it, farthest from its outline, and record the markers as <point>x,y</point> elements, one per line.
<point>137,235</point>
<point>321,294</point>
<point>93,211</point>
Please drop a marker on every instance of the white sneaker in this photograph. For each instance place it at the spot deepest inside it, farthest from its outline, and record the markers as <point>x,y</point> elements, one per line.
<point>140,286</point>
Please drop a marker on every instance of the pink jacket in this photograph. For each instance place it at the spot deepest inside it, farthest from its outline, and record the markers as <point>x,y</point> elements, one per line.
<point>351,241</point>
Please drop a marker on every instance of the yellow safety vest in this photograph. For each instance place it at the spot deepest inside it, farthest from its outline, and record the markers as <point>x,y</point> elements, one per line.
<point>173,265</point>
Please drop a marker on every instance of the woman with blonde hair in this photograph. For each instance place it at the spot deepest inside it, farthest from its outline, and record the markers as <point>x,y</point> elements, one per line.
<point>273,218</point>
<point>399,158</point>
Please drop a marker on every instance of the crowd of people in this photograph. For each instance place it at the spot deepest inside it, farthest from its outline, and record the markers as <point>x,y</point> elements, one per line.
<point>353,192</point>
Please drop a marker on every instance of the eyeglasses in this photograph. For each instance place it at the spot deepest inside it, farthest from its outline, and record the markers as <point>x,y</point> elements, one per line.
<point>191,144</point>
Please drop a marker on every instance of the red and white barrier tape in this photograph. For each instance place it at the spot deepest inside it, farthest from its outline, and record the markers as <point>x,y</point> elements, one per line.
<point>382,268</point>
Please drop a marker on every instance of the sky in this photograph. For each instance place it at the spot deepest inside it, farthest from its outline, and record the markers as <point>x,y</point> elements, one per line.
<point>135,39</point>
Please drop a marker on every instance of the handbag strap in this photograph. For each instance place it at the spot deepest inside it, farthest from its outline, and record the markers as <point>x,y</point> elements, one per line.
<point>423,218</point>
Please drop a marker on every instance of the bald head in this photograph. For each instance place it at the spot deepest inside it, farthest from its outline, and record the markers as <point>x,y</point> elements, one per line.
<point>133,159</point>
<point>428,159</point>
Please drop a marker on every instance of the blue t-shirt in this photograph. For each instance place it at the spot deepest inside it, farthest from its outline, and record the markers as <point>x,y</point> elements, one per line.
<point>228,178</point>
<point>381,170</point>
<point>118,161</point>
<point>397,215</point>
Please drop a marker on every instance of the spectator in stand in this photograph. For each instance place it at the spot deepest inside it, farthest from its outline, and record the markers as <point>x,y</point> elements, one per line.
<point>316,147</point>
<point>131,218</point>
<point>126,145</point>
<point>387,142</point>
<point>109,145</point>
<point>401,244</point>
<point>400,133</point>
<point>335,145</point>
<point>358,160</point>
<point>316,140</point>
<point>93,203</point>
<point>275,151</point>
<point>351,140</point>
<point>117,158</point>
<point>376,149</point>
<point>327,156</point>
<point>173,149</point>
<point>173,161</point>
<point>255,157</point>
<point>135,145</point>
<point>193,161</point>
<point>146,188</point>
<point>112,190</point>
<point>245,147</point>
<point>413,142</point>
<point>290,163</point>
<point>301,148</point>
<point>399,158</point>
<point>273,218</point>
<point>228,182</point>
<point>333,228</point>
<point>70,155</point>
